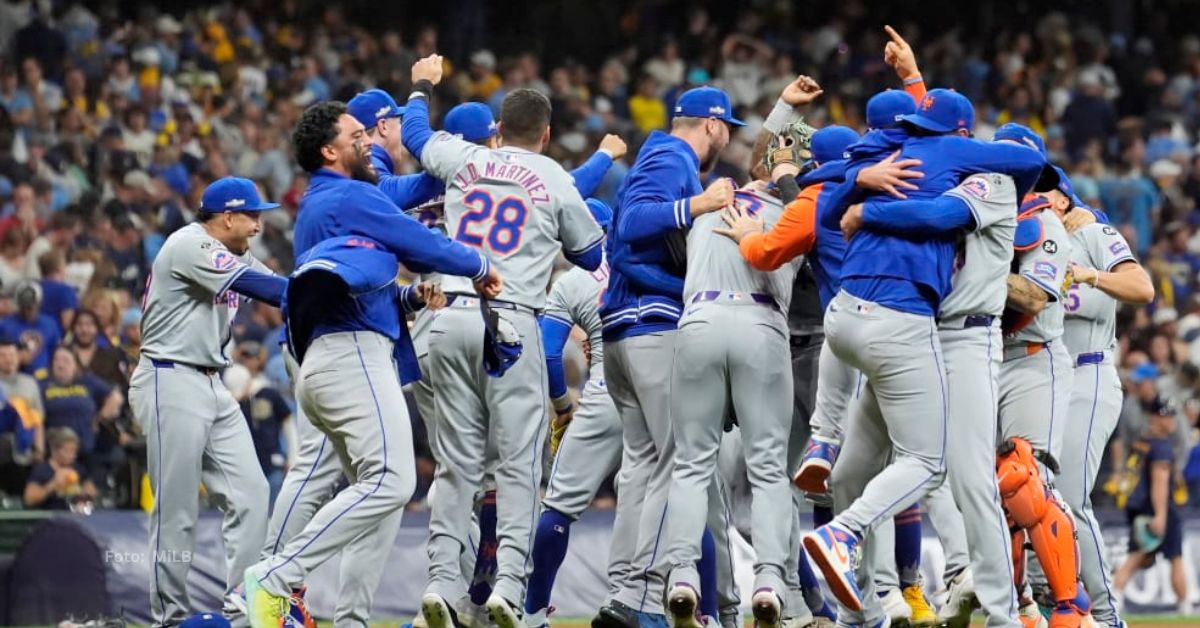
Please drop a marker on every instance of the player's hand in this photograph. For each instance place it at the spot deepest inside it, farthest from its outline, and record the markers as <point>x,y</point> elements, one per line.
<point>1158,526</point>
<point>430,293</point>
<point>64,477</point>
<point>740,224</point>
<point>1082,274</point>
<point>490,286</point>
<point>784,168</point>
<point>852,220</point>
<point>898,54</point>
<point>1077,219</point>
<point>558,428</point>
<point>614,145</point>
<point>718,195</point>
<point>801,91</point>
<point>890,176</point>
<point>428,69</point>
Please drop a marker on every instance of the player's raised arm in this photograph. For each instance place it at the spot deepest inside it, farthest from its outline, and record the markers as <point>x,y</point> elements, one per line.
<point>589,175</point>
<point>798,93</point>
<point>898,54</point>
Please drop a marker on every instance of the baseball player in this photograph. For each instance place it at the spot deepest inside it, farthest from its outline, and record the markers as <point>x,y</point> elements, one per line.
<point>195,430</point>
<point>1105,274</point>
<point>891,289</point>
<point>311,481</point>
<point>661,196</point>
<point>349,337</point>
<point>591,447</point>
<point>520,209</point>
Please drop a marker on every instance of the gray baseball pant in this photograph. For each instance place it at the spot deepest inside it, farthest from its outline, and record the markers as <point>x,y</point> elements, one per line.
<point>196,433</point>
<point>350,390</point>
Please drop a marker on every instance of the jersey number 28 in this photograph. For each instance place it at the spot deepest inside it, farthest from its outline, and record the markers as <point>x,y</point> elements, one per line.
<point>498,223</point>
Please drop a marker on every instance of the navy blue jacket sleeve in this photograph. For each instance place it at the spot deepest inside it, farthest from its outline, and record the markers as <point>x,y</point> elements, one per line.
<point>588,259</point>
<point>589,175</point>
<point>1023,164</point>
<point>555,333</point>
<point>418,247</point>
<point>415,130</point>
<point>650,278</point>
<point>650,207</point>
<point>408,300</point>
<point>410,190</point>
<point>944,214</point>
<point>260,286</point>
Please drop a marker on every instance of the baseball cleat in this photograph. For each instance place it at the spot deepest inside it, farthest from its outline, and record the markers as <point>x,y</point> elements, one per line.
<point>1030,616</point>
<point>815,466</point>
<point>474,616</point>
<point>835,551</point>
<point>615,615</point>
<point>504,613</point>
<point>682,604</point>
<point>263,608</point>
<point>922,613</point>
<point>419,620</point>
<point>960,601</point>
<point>895,607</point>
<point>437,613</point>
<point>767,608</point>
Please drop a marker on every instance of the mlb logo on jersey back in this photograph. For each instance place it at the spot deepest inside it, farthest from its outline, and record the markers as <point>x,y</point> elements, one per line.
<point>977,187</point>
<point>223,260</point>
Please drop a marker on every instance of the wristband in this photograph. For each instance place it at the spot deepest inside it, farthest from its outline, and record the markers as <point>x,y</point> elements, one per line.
<point>423,87</point>
<point>1096,280</point>
<point>913,80</point>
<point>781,115</point>
<point>562,404</point>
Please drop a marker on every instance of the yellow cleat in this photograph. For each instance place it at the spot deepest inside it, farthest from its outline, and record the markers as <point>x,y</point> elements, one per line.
<point>263,608</point>
<point>922,611</point>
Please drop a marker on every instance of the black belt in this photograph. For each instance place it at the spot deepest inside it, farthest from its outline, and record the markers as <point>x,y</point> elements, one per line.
<point>167,364</point>
<point>975,320</point>
<point>495,305</point>
<point>800,342</point>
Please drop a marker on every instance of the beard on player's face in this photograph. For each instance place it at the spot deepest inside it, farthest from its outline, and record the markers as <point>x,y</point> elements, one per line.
<point>718,138</point>
<point>358,162</point>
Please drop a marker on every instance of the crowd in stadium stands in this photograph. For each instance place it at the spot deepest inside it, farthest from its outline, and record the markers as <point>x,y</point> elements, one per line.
<point>111,126</point>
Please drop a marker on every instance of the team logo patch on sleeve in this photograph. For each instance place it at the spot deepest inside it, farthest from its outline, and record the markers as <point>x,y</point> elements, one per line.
<point>1109,230</point>
<point>1050,246</point>
<point>1045,270</point>
<point>223,260</point>
<point>1117,248</point>
<point>977,187</point>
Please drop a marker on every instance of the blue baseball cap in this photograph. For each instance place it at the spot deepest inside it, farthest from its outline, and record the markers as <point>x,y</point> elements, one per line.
<point>205,620</point>
<point>1021,134</point>
<point>233,194</point>
<point>472,121</point>
<point>887,108</point>
<point>601,212</point>
<point>831,142</point>
<point>706,102</point>
<point>373,105</point>
<point>1142,372</point>
<point>943,111</point>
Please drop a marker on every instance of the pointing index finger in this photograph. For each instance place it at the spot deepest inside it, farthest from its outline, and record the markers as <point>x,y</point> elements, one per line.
<point>894,35</point>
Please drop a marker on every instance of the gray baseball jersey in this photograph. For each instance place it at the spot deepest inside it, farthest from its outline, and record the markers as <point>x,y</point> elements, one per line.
<point>1046,266</point>
<point>575,299</point>
<point>507,200</point>
<point>714,262</point>
<point>985,254</point>
<point>187,308</point>
<point>1091,315</point>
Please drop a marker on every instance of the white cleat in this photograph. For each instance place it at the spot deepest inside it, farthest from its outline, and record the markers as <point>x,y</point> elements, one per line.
<point>682,602</point>
<point>436,612</point>
<point>896,608</point>
<point>503,613</point>
<point>767,608</point>
<point>960,601</point>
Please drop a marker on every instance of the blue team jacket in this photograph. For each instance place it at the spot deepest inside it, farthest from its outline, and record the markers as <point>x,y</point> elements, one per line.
<point>913,274</point>
<point>406,191</point>
<point>335,206</point>
<point>652,204</point>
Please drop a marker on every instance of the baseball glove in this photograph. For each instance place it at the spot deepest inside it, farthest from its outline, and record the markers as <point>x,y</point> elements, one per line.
<point>790,146</point>
<point>558,428</point>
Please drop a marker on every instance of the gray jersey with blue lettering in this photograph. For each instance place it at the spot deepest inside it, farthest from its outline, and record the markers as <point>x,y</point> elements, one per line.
<point>1091,315</point>
<point>188,307</point>
<point>575,300</point>
<point>984,254</point>
<point>519,208</point>
<point>714,262</point>
<point>1046,266</point>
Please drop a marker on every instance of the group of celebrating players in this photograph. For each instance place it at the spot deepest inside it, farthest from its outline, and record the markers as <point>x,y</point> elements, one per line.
<point>937,311</point>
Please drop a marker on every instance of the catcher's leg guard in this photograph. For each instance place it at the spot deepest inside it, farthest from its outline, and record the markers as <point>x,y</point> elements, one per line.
<point>1031,506</point>
<point>1018,553</point>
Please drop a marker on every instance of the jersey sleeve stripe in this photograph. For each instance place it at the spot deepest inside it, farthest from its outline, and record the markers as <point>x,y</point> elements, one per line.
<point>485,266</point>
<point>558,320</point>
<point>597,242</point>
<point>1120,260</point>
<point>232,278</point>
<point>1053,292</point>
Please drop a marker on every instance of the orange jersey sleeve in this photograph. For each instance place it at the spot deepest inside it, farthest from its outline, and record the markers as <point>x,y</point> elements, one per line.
<point>793,235</point>
<point>916,90</point>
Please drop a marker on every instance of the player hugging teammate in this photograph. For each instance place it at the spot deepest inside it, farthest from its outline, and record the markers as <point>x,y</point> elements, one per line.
<point>925,287</point>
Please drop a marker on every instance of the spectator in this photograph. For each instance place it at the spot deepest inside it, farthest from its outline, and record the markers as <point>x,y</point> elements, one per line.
<point>108,307</point>
<point>1129,198</point>
<point>60,483</point>
<point>88,406</point>
<point>646,108</point>
<point>138,136</point>
<point>37,333</point>
<point>14,98</point>
<point>1089,118</point>
<point>106,362</point>
<point>482,80</point>
<point>59,299</point>
<point>266,411</point>
<point>666,68</point>
<point>1150,482</point>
